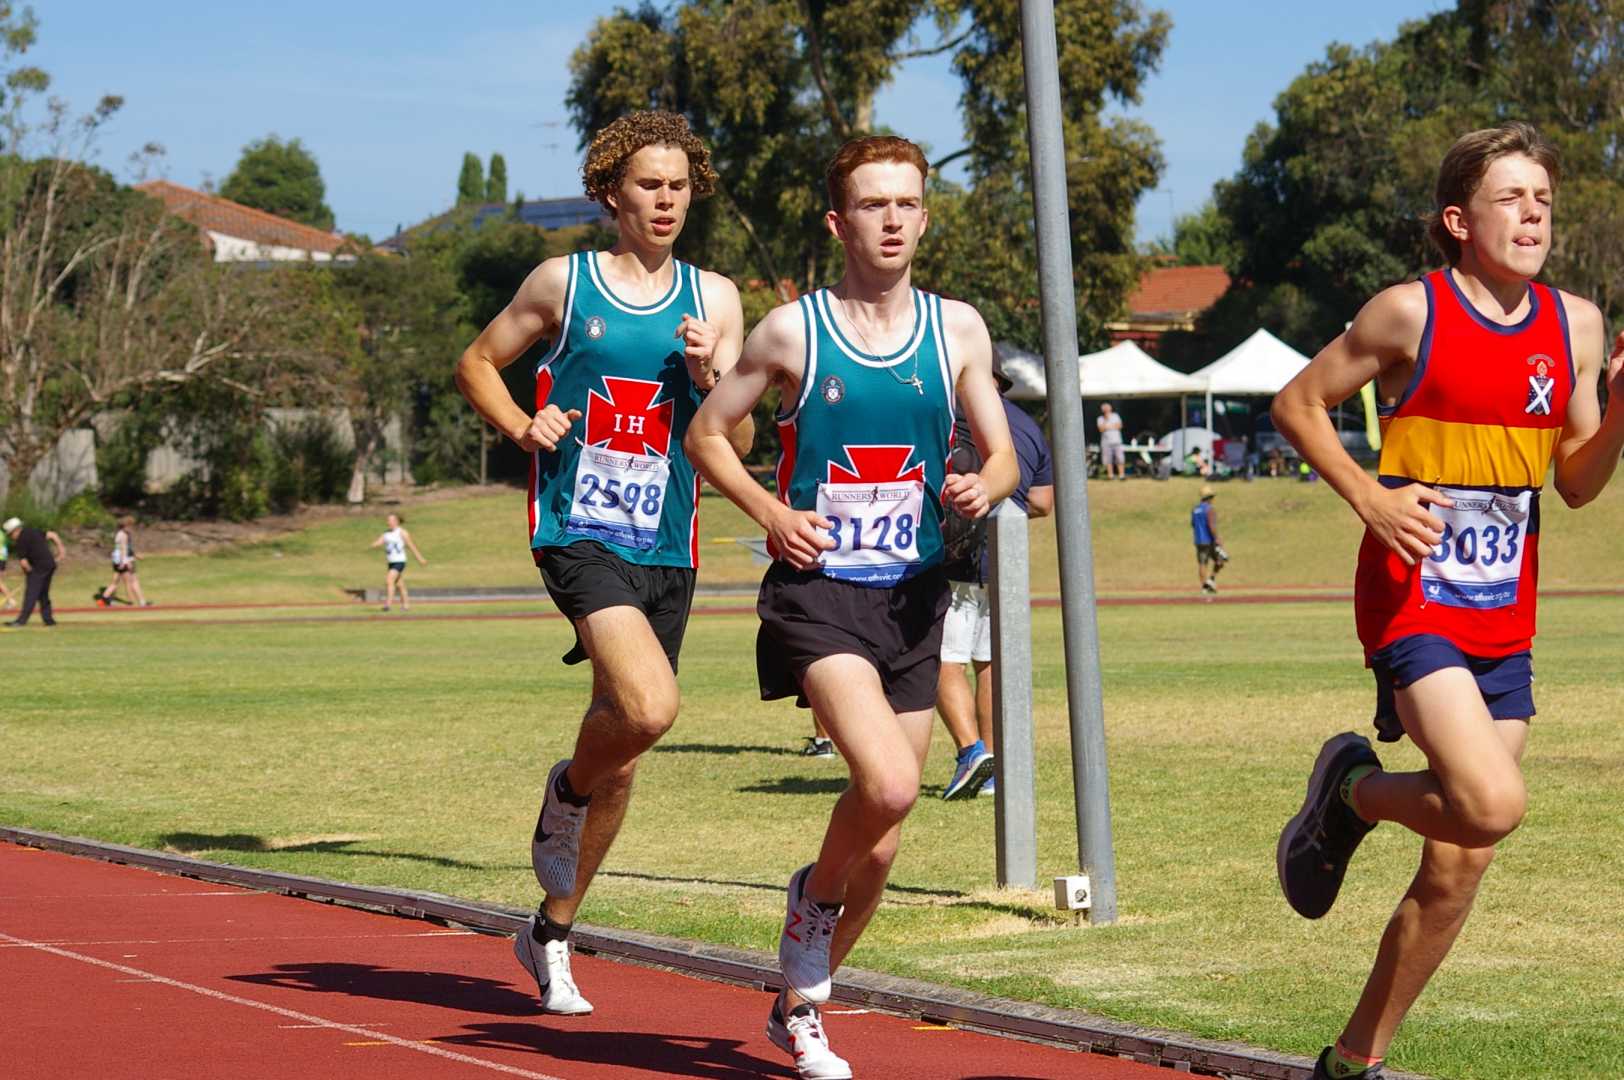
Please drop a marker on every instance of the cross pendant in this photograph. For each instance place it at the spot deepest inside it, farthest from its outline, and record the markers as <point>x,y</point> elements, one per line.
<point>917,385</point>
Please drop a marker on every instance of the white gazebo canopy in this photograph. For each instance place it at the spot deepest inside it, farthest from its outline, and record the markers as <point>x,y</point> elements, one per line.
<point>1260,365</point>
<point>1122,371</point>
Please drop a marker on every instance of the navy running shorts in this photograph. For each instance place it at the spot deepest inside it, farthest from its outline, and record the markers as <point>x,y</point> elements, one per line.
<point>585,576</point>
<point>1506,682</point>
<point>398,567</point>
<point>806,616</point>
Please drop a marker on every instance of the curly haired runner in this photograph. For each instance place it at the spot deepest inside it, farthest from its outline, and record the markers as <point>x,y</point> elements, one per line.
<point>637,337</point>
<point>1486,379</point>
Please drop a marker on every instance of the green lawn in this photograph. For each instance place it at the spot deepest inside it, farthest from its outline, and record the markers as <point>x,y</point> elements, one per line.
<point>410,752</point>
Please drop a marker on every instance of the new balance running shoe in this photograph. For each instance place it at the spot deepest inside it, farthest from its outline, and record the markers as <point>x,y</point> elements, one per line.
<point>803,946</point>
<point>801,1036</point>
<point>1316,845</point>
<point>549,964</point>
<point>556,843</point>
<point>1322,1070</point>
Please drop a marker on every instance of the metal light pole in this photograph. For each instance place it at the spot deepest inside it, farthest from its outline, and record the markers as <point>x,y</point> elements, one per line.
<point>1058,298</point>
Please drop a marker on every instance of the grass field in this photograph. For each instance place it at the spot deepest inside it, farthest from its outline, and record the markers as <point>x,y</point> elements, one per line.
<point>410,751</point>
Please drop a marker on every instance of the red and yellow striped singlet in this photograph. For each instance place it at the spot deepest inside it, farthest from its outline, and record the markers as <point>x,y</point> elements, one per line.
<point>1479,421</point>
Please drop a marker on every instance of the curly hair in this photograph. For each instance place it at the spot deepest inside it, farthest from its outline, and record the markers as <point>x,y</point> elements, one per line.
<point>613,147</point>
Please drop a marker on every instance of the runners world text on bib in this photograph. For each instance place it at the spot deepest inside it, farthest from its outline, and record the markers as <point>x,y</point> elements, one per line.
<point>619,496</point>
<point>875,527</point>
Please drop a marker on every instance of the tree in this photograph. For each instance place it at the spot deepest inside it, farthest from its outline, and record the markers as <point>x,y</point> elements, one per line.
<point>774,87</point>
<point>1329,203</point>
<point>496,182</point>
<point>406,311</point>
<point>280,178</point>
<point>1203,238</point>
<point>471,181</point>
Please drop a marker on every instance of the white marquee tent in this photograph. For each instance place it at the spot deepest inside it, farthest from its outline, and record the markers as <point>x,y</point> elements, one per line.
<point>1260,366</point>
<point>1122,371</point>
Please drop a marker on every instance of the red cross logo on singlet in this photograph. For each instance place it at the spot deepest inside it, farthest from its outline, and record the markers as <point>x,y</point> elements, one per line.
<point>876,464</point>
<point>627,420</point>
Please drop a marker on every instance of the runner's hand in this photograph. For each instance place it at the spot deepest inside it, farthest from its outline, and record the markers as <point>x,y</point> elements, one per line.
<point>699,340</point>
<point>547,429</point>
<point>965,494</point>
<point>794,535</point>
<point>1615,369</point>
<point>1399,519</point>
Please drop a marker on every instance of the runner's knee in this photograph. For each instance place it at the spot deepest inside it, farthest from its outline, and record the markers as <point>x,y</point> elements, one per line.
<point>887,799</point>
<point>647,711</point>
<point>1491,807</point>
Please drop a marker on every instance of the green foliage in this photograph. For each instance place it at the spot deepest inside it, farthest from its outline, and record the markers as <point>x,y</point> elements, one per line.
<point>470,181</point>
<point>1203,238</point>
<point>448,443</point>
<point>84,511</point>
<point>496,180</point>
<point>1327,207</point>
<point>121,458</point>
<point>280,178</point>
<point>775,87</point>
<point>311,463</point>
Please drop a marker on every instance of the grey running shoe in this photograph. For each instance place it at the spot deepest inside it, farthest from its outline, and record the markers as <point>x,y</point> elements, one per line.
<point>549,965</point>
<point>803,946</point>
<point>816,747</point>
<point>1322,1069</point>
<point>557,840</point>
<point>1316,845</point>
<point>801,1036</point>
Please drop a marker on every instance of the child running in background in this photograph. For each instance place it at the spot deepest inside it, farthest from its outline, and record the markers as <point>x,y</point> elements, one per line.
<point>124,557</point>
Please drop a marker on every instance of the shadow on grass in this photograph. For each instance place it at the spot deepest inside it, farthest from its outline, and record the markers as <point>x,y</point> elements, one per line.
<point>730,749</point>
<point>798,785</point>
<point>189,843</point>
<point>772,887</point>
<point>652,1053</point>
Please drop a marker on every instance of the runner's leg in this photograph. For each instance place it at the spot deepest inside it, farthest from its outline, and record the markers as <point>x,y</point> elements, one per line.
<point>1472,793</point>
<point>634,681</point>
<point>956,703</point>
<point>984,703</point>
<point>1432,912</point>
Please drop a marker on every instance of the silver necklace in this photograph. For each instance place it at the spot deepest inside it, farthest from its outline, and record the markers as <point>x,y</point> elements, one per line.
<point>912,380</point>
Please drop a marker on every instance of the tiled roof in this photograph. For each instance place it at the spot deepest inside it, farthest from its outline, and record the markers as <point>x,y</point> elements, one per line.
<point>1178,290</point>
<point>242,222</point>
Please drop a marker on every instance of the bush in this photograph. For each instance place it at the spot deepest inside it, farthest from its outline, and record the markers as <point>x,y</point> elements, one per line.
<point>84,510</point>
<point>121,459</point>
<point>309,464</point>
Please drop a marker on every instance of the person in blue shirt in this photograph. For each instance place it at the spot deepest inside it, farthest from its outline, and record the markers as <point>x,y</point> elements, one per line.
<point>1210,555</point>
<point>967,629</point>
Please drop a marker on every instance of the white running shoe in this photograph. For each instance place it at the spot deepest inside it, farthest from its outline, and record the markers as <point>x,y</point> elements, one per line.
<point>801,1036</point>
<point>557,840</point>
<point>549,965</point>
<point>803,945</point>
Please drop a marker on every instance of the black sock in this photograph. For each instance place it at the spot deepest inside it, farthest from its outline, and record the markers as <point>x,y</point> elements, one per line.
<point>546,930</point>
<point>561,788</point>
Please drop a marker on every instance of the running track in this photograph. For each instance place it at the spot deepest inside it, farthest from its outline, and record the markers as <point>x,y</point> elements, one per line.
<point>115,971</point>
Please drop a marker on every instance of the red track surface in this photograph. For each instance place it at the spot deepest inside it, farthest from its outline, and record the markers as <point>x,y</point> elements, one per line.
<point>112,971</point>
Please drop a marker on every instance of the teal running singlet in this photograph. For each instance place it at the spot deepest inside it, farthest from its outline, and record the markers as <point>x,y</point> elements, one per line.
<point>620,476</point>
<point>867,444</point>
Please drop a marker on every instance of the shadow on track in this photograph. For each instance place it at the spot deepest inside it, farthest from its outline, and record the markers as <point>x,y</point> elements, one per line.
<point>650,1052</point>
<point>461,992</point>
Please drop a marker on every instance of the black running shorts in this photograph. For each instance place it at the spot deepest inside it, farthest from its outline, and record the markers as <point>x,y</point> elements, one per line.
<point>806,616</point>
<point>585,576</point>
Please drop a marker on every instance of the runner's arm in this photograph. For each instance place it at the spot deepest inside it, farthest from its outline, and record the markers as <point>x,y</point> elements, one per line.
<point>406,536</point>
<point>727,316</point>
<point>972,494</point>
<point>379,541</point>
<point>771,355</point>
<point>1385,333</point>
<point>1591,442</point>
<point>534,312</point>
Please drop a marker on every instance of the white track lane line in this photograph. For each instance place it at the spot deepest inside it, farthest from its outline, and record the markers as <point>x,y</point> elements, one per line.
<point>315,1021</point>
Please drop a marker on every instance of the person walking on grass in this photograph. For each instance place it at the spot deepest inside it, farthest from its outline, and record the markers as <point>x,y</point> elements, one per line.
<point>636,337</point>
<point>395,541</point>
<point>852,605</point>
<point>38,551</point>
<point>1210,555</point>
<point>124,572</point>
<point>1485,378</point>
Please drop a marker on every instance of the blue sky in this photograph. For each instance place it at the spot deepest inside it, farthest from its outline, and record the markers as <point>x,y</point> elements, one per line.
<point>389,96</point>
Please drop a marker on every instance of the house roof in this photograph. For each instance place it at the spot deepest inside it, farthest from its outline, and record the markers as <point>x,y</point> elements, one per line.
<point>1170,290</point>
<point>241,222</point>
